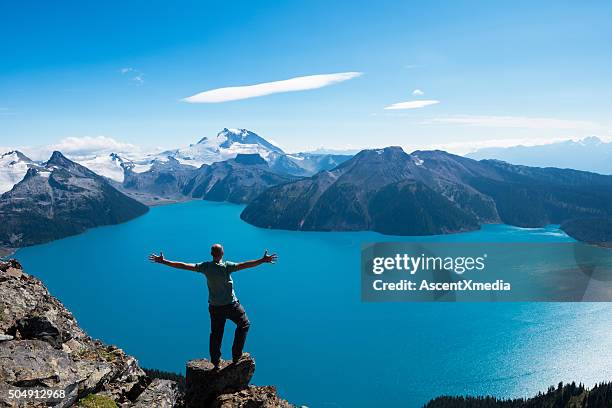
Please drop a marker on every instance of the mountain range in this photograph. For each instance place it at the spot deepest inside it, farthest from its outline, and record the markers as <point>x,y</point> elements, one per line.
<point>588,154</point>
<point>384,190</point>
<point>60,198</point>
<point>430,192</point>
<point>42,201</point>
<point>227,144</point>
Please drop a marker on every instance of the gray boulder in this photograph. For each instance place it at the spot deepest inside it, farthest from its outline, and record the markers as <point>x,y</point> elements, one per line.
<point>159,394</point>
<point>30,364</point>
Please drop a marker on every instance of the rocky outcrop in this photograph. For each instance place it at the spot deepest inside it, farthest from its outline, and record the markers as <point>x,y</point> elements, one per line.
<point>159,394</point>
<point>251,397</point>
<point>42,347</point>
<point>227,386</point>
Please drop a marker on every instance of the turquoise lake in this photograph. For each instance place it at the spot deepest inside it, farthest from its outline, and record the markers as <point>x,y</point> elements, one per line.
<point>311,335</point>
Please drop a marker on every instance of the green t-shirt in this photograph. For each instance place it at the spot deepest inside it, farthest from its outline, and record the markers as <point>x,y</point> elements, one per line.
<point>220,283</point>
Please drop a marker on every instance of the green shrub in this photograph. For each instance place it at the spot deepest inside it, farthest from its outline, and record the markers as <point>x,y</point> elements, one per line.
<point>96,401</point>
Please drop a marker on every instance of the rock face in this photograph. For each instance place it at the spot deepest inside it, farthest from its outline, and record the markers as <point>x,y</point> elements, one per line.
<point>429,192</point>
<point>42,346</point>
<point>305,164</point>
<point>252,397</point>
<point>164,179</point>
<point>227,386</point>
<point>237,180</point>
<point>159,394</point>
<point>58,199</point>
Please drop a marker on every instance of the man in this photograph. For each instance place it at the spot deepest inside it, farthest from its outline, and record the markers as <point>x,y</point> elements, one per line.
<point>222,301</point>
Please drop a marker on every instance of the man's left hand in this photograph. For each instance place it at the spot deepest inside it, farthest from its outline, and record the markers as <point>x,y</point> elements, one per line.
<point>269,258</point>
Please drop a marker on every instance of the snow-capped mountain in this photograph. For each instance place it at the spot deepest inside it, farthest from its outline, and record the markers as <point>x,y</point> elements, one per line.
<point>109,165</point>
<point>13,167</point>
<point>114,165</point>
<point>226,145</point>
<point>119,166</point>
<point>60,198</point>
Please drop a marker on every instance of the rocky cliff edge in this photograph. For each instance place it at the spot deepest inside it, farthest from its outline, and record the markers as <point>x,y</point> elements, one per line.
<point>43,349</point>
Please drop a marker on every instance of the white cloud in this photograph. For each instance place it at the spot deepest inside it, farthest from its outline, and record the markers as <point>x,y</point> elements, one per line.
<point>77,148</point>
<point>418,92</point>
<point>512,122</point>
<point>136,75</point>
<point>411,104</point>
<point>90,145</point>
<point>303,83</point>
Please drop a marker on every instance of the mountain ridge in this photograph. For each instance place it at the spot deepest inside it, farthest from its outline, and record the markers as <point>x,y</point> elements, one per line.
<point>429,192</point>
<point>60,198</point>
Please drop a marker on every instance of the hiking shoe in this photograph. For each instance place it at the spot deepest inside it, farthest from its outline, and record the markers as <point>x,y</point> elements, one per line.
<point>235,360</point>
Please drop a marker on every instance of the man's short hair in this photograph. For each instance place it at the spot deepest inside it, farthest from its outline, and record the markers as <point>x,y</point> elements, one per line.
<point>216,250</point>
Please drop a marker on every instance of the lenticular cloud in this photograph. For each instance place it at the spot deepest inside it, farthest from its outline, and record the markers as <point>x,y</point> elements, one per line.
<point>303,83</point>
<point>412,104</point>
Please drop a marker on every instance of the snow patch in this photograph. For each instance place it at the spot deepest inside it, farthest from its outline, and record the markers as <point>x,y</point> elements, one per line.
<point>108,166</point>
<point>13,167</point>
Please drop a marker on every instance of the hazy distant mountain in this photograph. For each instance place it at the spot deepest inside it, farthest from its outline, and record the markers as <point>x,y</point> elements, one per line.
<point>589,154</point>
<point>13,167</point>
<point>429,192</point>
<point>164,178</point>
<point>238,180</point>
<point>60,198</point>
<point>305,164</point>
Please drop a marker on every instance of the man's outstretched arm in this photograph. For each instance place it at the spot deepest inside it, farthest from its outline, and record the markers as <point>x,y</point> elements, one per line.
<point>256,262</point>
<point>179,265</point>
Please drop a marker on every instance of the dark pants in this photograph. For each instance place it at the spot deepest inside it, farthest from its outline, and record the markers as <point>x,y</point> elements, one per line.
<point>218,315</point>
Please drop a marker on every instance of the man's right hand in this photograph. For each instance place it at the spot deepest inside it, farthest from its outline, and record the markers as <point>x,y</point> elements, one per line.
<point>157,258</point>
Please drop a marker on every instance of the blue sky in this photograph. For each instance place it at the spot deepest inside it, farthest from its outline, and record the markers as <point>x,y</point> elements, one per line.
<point>500,72</point>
